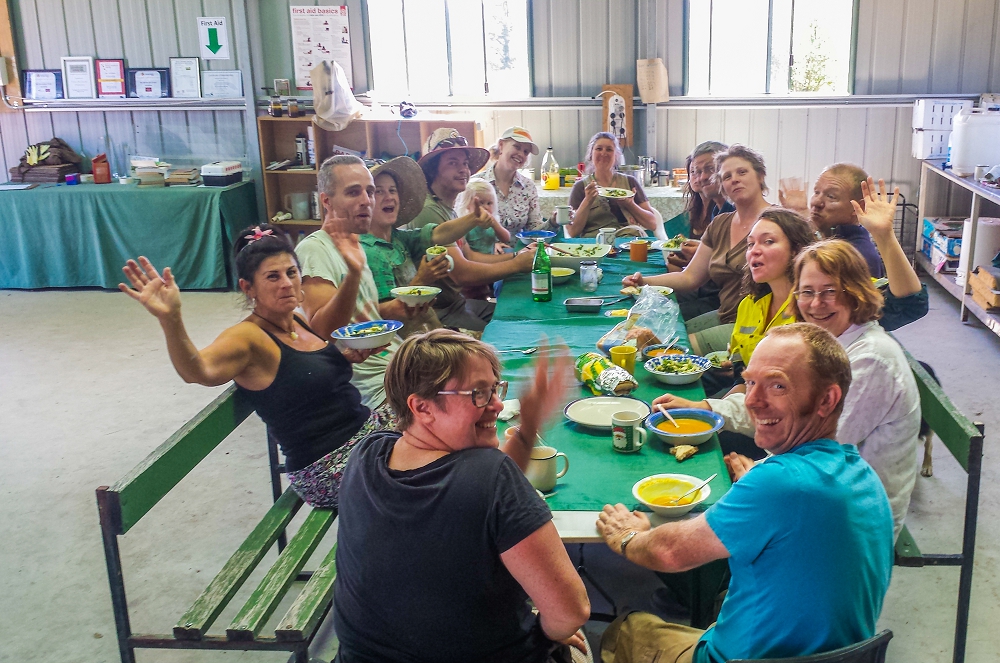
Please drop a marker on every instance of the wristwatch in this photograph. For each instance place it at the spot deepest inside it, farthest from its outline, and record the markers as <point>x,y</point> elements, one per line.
<point>625,541</point>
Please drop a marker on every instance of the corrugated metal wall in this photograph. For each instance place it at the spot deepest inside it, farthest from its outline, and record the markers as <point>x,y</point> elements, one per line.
<point>922,46</point>
<point>145,33</point>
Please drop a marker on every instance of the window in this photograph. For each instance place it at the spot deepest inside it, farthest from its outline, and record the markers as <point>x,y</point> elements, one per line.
<point>748,47</point>
<point>436,49</point>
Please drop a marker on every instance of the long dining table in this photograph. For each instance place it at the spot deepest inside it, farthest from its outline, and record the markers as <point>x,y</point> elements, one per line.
<point>597,474</point>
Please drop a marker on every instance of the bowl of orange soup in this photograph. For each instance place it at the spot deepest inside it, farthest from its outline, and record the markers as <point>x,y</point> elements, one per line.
<point>657,491</point>
<point>661,349</point>
<point>694,426</point>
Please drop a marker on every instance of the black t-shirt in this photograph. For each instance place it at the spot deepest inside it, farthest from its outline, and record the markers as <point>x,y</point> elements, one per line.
<point>419,575</point>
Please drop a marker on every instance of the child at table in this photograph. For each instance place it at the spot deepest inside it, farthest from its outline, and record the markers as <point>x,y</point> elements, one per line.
<point>484,240</point>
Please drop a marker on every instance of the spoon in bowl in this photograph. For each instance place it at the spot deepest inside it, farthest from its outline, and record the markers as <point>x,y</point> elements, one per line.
<point>693,490</point>
<point>667,415</point>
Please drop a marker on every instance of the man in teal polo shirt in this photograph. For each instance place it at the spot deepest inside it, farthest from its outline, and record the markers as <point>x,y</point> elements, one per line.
<point>807,532</point>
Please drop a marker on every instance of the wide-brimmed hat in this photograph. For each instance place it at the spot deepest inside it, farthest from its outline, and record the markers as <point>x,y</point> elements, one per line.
<point>410,184</point>
<point>521,135</point>
<point>445,139</point>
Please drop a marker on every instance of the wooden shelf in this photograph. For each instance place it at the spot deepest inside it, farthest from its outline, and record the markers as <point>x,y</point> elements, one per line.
<point>372,138</point>
<point>947,281</point>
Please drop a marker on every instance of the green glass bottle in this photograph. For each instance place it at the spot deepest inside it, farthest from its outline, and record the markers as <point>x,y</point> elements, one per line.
<point>541,275</point>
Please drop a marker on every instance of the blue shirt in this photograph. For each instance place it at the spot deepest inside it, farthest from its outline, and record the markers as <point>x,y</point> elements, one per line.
<point>809,533</point>
<point>858,237</point>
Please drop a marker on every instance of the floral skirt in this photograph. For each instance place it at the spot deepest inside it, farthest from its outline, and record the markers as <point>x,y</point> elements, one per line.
<point>318,484</point>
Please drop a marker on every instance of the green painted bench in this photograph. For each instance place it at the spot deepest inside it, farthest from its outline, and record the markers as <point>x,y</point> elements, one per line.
<point>965,442</point>
<point>122,505</point>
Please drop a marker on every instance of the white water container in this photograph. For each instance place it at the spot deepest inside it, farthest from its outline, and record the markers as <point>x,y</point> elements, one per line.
<point>975,140</point>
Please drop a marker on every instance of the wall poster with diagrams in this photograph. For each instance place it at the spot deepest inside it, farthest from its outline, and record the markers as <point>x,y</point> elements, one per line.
<point>320,33</point>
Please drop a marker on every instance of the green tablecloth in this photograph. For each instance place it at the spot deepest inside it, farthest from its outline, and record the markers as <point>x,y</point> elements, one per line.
<point>598,475</point>
<point>59,236</point>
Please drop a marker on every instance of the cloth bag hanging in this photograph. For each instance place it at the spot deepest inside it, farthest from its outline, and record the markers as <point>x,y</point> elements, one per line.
<point>333,100</point>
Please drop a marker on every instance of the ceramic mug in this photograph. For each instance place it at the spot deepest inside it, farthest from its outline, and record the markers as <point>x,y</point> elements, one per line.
<point>562,215</point>
<point>624,356</point>
<point>435,251</point>
<point>627,434</point>
<point>606,236</point>
<point>541,470</point>
<point>300,205</point>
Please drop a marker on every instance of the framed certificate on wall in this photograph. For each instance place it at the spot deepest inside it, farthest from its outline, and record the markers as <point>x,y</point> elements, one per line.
<point>110,79</point>
<point>78,77</point>
<point>147,83</point>
<point>42,84</point>
<point>185,78</point>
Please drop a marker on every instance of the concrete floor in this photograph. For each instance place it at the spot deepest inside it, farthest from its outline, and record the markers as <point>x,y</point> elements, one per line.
<point>87,390</point>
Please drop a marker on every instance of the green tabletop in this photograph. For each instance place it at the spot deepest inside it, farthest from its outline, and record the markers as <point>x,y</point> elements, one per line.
<point>598,475</point>
<point>59,236</point>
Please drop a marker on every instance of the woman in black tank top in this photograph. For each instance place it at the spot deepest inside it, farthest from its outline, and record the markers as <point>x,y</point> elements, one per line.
<point>299,383</point>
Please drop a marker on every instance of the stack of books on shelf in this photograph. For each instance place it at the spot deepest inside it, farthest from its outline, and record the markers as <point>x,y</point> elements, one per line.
<point>183,177</point>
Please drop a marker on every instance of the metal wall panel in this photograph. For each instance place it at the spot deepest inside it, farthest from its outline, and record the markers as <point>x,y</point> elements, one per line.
<point>146,33</point>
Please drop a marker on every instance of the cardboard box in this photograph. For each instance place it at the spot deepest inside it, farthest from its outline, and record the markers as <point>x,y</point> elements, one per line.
<point>929,144</point>
<point>988,277</point>
<point>941,223</point>
<point>925,247</point>
<point>948,242</point>
<point>942,262</point>
<point>937,114</point>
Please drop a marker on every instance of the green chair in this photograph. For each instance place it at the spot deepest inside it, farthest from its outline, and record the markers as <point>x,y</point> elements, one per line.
<point>964,440</point>
<point>122,505</point>
<point>871,650</point>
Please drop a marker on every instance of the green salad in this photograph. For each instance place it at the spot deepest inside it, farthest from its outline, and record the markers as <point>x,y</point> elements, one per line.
<point>412,291</point>
<point>674,242</point>
<point>679,366</point>
<point>367,331</point>
<point>612,192</point>
<point>582,250</point>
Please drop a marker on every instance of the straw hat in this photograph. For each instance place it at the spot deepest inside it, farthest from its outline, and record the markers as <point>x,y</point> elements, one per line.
<point>410,184</point>
<point>445,139</point>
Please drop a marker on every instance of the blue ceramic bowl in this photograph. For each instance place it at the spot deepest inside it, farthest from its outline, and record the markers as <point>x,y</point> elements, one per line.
<point>677,378</point>
<point>355,336</point>
<point>694,439</point>
<point>529,236</point>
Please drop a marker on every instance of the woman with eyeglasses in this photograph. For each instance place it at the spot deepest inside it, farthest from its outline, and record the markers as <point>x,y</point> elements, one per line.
<point>591,211</point>
<point>442,541</point>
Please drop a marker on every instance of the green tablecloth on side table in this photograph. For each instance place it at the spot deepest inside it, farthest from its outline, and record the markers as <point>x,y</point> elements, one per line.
<point>598,475</point>
<point>59,236</point>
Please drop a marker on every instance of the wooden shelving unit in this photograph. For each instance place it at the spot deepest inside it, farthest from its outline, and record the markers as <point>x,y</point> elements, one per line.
<point>375,139</point>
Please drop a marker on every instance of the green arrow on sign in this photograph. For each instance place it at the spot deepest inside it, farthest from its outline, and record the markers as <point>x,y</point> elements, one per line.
<point>213,40</point>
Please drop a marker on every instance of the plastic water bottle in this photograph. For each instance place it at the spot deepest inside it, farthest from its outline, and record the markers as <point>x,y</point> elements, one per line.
<point>541,275</point>
<point>550,170</point>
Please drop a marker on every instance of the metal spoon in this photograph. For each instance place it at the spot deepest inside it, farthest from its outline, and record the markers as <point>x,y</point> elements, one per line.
<point>526,351</point>
<point>695,489</point>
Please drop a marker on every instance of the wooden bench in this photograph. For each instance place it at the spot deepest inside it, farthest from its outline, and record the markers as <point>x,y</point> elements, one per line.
<point>122,505</point>
<point>965,442</point>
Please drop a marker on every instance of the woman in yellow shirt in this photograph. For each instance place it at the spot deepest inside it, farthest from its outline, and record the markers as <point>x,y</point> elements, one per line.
<point>774,241</point>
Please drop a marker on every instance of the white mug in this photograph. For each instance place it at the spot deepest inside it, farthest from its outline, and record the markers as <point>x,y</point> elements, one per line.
<point>627,434</point>
<point>562,215</point>
<point>606,236</point>
<point>431,256</point>
<point>541,470</point>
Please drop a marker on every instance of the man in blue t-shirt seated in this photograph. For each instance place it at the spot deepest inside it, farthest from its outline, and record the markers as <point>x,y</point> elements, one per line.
<point>807,532</point>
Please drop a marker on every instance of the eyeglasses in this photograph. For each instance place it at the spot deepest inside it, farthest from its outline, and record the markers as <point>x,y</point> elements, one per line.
<point>481,397</point>
<point>454,141</point>
<point>824,296</point>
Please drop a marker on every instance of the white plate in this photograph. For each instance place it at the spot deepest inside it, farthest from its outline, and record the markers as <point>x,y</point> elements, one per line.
<point>657,245</point>
<point>603,192</point>
<point>415,295</point>
<point>596,412</point>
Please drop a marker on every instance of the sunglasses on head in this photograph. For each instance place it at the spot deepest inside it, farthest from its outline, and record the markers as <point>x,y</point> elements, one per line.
<point>454,141</point>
